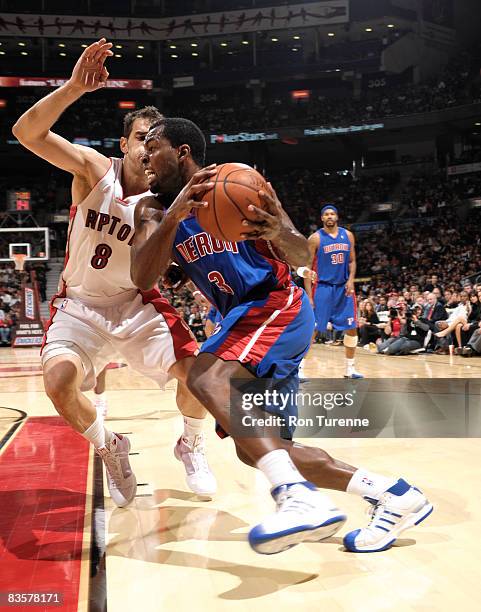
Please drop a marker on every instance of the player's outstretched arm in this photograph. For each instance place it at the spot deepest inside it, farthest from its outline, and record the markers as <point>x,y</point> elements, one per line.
<point>314,243</point>
<point>33,128</point>
<point>275,225</point>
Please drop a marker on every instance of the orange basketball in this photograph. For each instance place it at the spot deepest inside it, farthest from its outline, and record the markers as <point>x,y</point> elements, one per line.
<point>236,187</point>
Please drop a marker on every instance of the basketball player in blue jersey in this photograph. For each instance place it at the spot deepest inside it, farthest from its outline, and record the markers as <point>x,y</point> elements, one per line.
<point>332,296</point>
<point>266,327</point>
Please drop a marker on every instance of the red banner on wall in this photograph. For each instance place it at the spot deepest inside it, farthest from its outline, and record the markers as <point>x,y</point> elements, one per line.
<point>7,81</point>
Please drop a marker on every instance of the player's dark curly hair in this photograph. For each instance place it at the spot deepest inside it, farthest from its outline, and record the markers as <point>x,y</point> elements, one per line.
<point>151,113</point>
<point>180,131</point>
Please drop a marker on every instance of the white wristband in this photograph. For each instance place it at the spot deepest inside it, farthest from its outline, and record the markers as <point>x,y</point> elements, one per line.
<point>302,272</point>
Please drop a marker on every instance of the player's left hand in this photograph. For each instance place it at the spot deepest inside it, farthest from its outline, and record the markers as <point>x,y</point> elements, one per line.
<point>269,221</point>
<point>349,287</point>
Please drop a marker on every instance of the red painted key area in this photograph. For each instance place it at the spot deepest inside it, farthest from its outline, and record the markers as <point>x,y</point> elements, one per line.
<point>43,478</point>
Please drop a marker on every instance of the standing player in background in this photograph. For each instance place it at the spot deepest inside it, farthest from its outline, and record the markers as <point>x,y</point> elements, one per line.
<point>99,310</point>
<point>266,329</point>
<point>333,296</point>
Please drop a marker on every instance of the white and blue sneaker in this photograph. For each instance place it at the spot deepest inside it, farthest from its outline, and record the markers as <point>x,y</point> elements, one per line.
<point>399,508</point>
<point>353,375</point>
<point>303,514</point>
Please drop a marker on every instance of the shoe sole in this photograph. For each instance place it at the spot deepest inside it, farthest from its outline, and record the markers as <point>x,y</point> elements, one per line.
<point>127,502</point>
<point>201,496</point>
<point>274,545</point>
<point>413,520</point>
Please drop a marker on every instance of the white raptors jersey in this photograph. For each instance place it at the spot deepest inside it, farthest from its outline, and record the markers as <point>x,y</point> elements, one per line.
<point>101,231</point>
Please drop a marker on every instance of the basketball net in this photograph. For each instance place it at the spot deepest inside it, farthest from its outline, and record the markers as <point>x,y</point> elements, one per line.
<point>19,260</point>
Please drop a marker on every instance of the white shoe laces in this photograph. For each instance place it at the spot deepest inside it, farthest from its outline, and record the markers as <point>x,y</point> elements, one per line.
<point>196,454</point>
<point>378,512</point>
<point>113,465</point>
<point>287,501</point>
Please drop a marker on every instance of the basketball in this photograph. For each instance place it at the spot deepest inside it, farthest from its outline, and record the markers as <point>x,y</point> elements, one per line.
<point>236,187</point>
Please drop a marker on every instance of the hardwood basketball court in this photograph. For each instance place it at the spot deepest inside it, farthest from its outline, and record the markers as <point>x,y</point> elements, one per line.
<point>168,551</point>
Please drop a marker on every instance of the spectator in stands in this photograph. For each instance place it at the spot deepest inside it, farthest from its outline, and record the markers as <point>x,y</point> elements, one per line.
<point>473,347</point>
<point>412,336</point>
<point>6,329</point>
<point>434,282</point>
<point>434,311</point>
<point>463,329</point>
<point>445,328</point>
<point>369,330</point>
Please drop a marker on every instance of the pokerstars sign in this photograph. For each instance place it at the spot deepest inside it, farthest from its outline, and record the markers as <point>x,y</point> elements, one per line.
<point>242,137</point>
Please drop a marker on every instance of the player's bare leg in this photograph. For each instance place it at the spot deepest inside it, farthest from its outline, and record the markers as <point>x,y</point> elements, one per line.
<point>350,344</point>
<point>63,377</point>
<point>190,447</point>
<point>100,397</point>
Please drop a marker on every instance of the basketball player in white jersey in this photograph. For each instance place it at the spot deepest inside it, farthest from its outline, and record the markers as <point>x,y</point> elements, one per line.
<point>98,309</point>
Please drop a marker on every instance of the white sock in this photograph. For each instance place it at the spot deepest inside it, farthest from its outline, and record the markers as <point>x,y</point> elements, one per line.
<point>349,364</point>
<point>100,397</point>
<point>97,434</point>
<point>279,469</point>
<point>369,484</point>
<point>192,427</point>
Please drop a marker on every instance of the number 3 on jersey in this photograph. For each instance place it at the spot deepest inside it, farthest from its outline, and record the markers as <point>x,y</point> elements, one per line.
<point>101,257</point>
<point>217,278</point>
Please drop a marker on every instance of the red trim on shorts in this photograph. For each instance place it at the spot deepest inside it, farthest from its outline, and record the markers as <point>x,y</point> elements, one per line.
<point>356,320</point>
<point>315,263</point>
<point>248,325</point>
<point>185,344</point>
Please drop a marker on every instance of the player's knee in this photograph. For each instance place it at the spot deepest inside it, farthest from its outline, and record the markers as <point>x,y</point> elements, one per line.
<point>60,383</point>
<point>350,340</point>
<point>243,456</point>
<point>201,383</point>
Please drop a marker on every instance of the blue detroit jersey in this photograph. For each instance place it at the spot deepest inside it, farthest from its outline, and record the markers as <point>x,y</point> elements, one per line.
<point>332,259</point>
<point>227,273</point>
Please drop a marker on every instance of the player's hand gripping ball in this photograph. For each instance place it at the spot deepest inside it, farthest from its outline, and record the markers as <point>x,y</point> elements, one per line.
<point>236,189</point>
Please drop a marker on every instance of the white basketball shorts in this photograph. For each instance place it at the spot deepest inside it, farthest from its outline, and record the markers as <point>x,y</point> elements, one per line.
<point>146,330</point>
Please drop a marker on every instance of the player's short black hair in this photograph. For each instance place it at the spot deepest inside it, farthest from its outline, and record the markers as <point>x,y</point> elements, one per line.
<point>180,131</point>
<point>147,112</point>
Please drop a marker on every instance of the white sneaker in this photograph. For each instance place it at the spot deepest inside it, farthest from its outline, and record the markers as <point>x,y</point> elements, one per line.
<point>399,508</point>
<point>120,478</point>
<point>353,375</point>
<point>303,514</point>
<point>101,406</point>
<point>198,477</point>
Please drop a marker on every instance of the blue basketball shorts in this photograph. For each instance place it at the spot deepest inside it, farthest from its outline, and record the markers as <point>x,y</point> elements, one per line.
<point>332,305</point>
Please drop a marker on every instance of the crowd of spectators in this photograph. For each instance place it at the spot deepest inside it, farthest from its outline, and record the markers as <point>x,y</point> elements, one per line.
<point>437,194</point>
<point>303,192</point>
<point>9,302</point>
<point>99,118</point>
<point>435,318</point>
<point>455,86</point>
